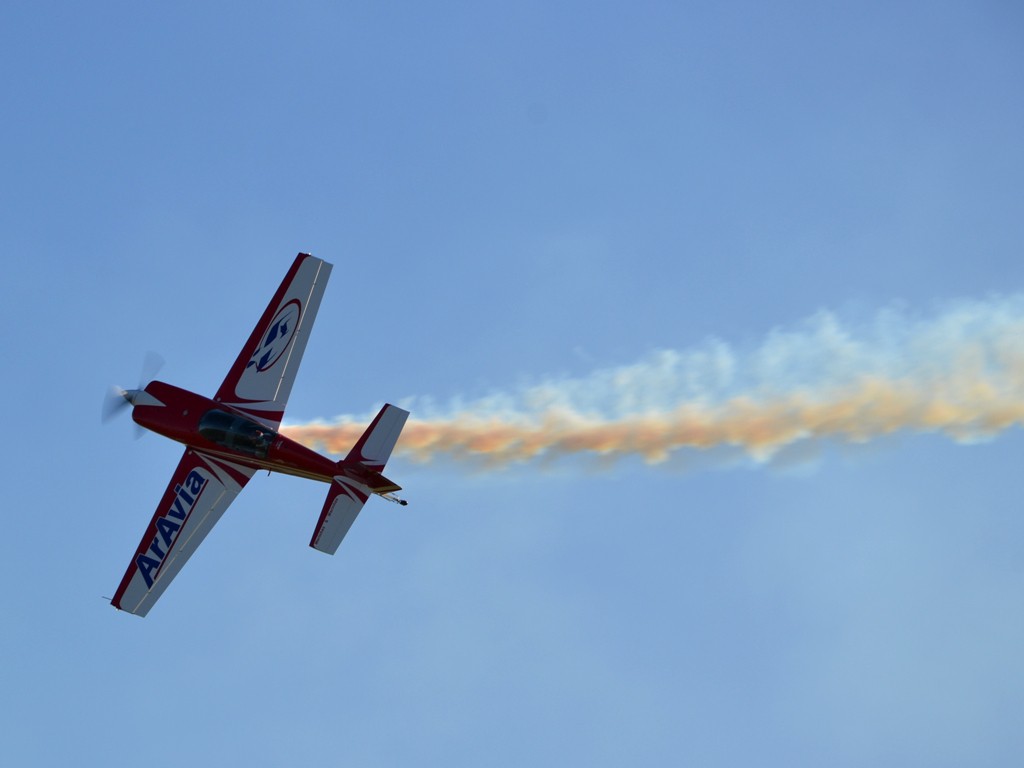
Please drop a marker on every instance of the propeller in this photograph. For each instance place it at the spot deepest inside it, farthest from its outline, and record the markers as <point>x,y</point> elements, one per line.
<point>151,365</point>
<point>118,398</point>
<point>115,401</point>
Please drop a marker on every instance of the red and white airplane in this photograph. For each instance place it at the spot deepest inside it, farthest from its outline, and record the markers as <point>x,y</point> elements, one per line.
<point>227,439</point>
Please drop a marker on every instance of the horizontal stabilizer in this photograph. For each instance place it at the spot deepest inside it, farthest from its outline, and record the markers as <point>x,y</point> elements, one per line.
<point>372,479</point>
<point>343,503</point>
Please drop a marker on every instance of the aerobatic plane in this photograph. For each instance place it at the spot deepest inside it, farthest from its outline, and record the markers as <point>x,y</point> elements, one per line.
<point>233,435</point>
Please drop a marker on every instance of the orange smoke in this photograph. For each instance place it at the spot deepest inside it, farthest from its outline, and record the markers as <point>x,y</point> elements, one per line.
<point>872,409</point>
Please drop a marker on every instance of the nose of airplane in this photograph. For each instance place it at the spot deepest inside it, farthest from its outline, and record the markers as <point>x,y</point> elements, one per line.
<point>115,401</point>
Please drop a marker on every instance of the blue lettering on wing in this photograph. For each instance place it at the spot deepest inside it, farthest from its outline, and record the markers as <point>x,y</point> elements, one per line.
<point>151,558</point>
<point>178,510</point>
<point>195,482</point>
<point>146,567</point>
<point>168,530</point>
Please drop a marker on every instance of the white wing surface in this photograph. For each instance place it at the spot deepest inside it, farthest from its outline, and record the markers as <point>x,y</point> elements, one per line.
<point>343,503</point>
<point>200,489</point>
<point>261,379</point>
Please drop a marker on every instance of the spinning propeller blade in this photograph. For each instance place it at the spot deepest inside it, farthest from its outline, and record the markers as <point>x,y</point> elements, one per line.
<point>117,398</point>
<point>115,401</point>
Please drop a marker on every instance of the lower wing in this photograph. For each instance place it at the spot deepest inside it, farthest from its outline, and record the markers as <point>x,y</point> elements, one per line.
<point>200,489</point>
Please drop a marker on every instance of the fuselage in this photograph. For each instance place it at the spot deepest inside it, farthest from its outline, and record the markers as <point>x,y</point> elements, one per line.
<point>216,428</point>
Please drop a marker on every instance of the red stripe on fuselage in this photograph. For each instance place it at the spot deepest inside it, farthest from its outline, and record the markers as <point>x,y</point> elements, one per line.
<point>178,419</point>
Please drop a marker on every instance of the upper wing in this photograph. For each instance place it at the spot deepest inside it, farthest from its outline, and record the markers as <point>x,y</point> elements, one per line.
<point>261,379</point>
<point>201,488</point>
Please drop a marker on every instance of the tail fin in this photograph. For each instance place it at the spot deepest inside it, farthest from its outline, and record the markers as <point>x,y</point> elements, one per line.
<point>359,475</point>
<point>374,447</point>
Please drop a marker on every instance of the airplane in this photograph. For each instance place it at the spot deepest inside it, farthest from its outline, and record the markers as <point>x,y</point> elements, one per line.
<point>233,435</point>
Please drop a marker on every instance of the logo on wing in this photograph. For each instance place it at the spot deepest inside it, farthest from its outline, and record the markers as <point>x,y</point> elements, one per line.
<point>278,337</point>
<point>169,525</point>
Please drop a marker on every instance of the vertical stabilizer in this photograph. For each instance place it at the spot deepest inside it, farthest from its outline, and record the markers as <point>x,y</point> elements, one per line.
<point>374,447</point>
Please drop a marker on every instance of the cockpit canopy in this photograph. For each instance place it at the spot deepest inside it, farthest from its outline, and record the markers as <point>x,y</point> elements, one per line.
<point>237,433</point>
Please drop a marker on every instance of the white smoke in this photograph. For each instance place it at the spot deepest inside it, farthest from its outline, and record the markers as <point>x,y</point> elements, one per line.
<point>958,371</point>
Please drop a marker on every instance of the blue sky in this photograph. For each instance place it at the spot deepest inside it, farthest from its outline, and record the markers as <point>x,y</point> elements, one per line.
<point>507,194</point>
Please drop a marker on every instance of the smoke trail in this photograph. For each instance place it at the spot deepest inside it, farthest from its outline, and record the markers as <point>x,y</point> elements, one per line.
<point>959,371</point>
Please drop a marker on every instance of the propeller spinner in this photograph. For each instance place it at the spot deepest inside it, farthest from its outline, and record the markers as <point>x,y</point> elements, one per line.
<point>118,398</point>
